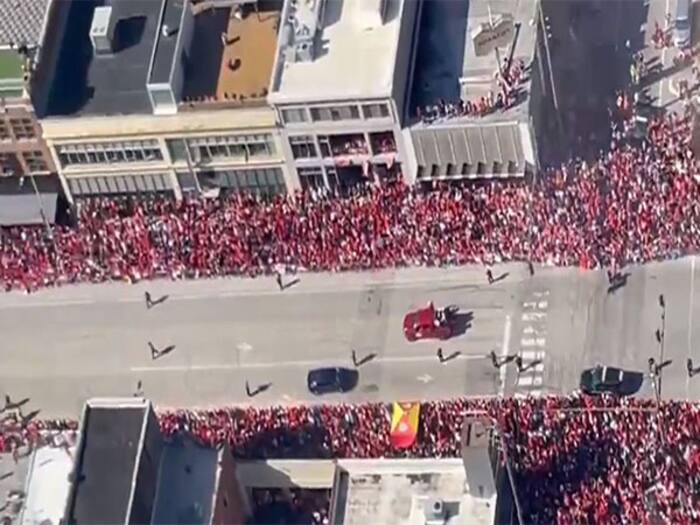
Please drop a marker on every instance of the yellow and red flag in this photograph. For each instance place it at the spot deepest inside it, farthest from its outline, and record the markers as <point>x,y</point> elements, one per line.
<point>404,424</point>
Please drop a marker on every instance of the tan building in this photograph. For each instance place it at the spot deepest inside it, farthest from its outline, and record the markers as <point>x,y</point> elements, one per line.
<point>169,96</point>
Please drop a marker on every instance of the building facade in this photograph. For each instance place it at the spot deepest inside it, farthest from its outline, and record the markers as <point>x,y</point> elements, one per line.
<point>339,96</point>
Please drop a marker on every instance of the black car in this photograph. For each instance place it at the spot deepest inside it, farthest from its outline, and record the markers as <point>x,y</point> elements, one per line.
<point>611,380</point>
<point>328,380</point>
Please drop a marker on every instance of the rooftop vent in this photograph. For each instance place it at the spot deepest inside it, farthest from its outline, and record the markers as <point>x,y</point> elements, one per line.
<point>435,511</point>
<point>102,30</point>
<point>167,30</point>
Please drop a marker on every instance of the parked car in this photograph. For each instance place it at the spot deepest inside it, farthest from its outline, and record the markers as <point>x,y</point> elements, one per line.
<point>333,379</point>
<point>611,380</point>
<point>429,323</point>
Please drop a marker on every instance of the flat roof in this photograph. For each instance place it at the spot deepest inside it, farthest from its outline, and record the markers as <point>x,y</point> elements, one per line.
<point>354,55</point>
<point>104,471</point>
<point>10,65</point>
<point>187,483</point>
<point>251,46</point>
<point>47,486</point>
<point>396,492</point>
<point>164,55</point>
<point>446,54</point>
<point>114,84</point>
<point>22,21</point>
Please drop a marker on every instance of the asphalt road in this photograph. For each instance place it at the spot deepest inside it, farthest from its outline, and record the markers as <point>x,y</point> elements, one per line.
<point>61,346</point>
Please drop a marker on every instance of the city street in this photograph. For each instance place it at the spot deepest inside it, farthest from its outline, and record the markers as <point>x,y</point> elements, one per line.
<point>64,345</point>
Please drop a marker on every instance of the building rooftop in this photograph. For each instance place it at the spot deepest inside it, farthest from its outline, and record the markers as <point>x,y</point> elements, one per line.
<point>350,33</point>
<point>402,492</point>
<point>237,71</point>
<point>187,483</point>
<point>47,486</point>
<point>447,66</point>
<point>106,460</point>
<point>164,53</point>
<point>22,21</point>
<point>86,83</point>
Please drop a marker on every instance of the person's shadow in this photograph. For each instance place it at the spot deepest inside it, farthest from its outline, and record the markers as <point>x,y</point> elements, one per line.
<point>291,283</point>
<point>501,277</point>
<point>618,281</point>
<point>258,390</point>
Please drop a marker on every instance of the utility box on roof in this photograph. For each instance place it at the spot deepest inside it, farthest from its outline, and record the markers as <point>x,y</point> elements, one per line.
<point>102,30</point>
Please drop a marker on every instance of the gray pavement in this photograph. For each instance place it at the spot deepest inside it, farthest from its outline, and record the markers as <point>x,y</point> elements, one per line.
<point>62,346</point>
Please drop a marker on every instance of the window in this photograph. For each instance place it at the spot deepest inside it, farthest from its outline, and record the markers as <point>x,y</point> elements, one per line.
<point>497,167</point>
<point>434,170</point>
<point>382,142</point>
<point>379,110</point>
<point>109,152</point>
<point>303,147</point>
<point>480,168</point>
<point>22,128</point>
<point>4,131</point>
<point>450,169</point>
<point>465,168</point>
<point>242,147</point>
<point>177,149</point>
<point>294,115</point>
<point>334,113</point>
<point>262,181</point>
<point>9,164</point>
<point>311,177</point>
<point>420,172</point>
<point>325,144</point>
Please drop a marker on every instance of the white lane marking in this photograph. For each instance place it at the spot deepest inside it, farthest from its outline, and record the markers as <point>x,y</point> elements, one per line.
<point>532,355</point>
<point>504,352</point>
<point>533,316</point>
<point>544,293</point>
<point>530,380</point>
<point>690,320</point>
<point>425,378</point>
<point>281,364</point>
<point>537,341</point>
<point>137,296</point>
<point>244,347</point>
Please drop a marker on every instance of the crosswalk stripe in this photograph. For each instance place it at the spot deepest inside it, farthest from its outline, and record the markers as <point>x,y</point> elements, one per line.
<point>533,316</point>
<point>533,341</point>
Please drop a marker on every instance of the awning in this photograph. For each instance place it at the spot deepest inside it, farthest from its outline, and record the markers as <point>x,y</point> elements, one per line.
<point>26,209</point>
<point>404,424</point>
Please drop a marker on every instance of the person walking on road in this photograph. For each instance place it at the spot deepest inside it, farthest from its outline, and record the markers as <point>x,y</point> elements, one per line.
<point>278,278</point>
<point>155,353</point>
<point>149,300</point>
<point>440,355</point>
<point>489,276</point>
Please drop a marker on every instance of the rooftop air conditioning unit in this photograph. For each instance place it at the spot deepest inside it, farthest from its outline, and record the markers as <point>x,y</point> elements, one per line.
<point>435,511</point>
<point>102,30</point>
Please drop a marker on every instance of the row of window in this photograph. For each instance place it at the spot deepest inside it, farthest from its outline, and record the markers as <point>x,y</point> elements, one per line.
<point>260,181</point>
<point>466,169</point>
<point>109,152</point>
<point>19,128</point>
<point>298,115</point>
<point>34,160</point>
<point>304,146</point>
<point>201,149</point>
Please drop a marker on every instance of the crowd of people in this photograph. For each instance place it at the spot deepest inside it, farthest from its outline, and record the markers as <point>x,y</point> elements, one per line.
<point>575,459</point>
<point>509,86</point>
<point>639,202</point>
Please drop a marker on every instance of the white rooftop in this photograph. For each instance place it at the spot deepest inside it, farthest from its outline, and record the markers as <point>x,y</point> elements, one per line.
<point>397,492</point>
<point>47,486</point>
<point>354,54</point>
